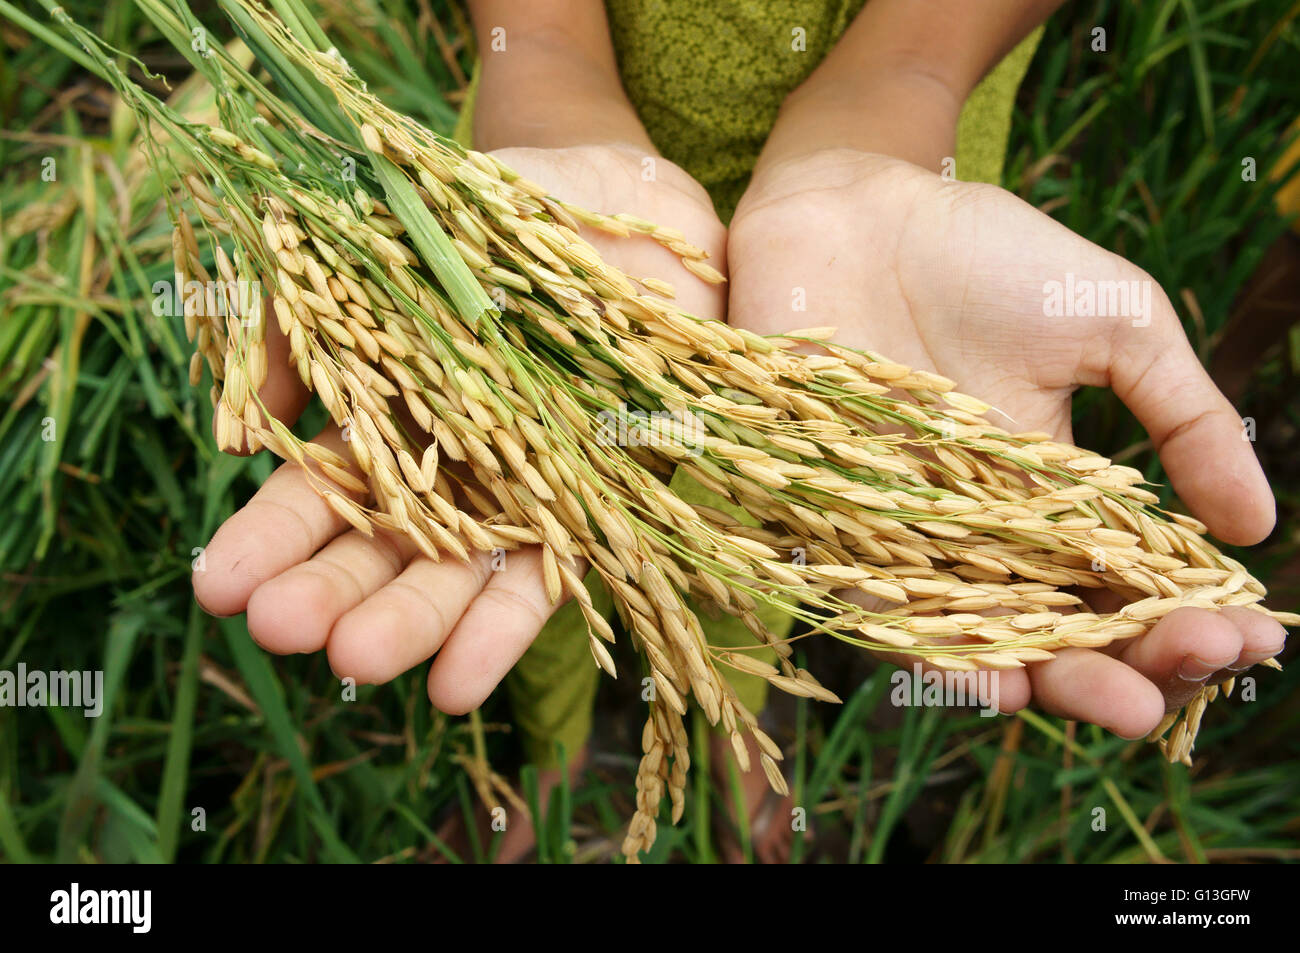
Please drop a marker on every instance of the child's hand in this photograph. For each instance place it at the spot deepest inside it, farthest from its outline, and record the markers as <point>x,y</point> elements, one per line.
<point>308,581</point>
<point>951,277</point>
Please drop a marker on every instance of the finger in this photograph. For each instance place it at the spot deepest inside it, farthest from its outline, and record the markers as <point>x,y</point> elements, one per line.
<point>1083,685</point>
<point>407,620</point>
<point>282,525</point>
<point>283,393</point>
<point>991,690</point>
<point>1003,690</point>
<point>1261,638</point>
<point>295,611</point>
<point>587,175</point>
<point>492,635</point>
<point>1100,601</point>
<point>1198,434</point>
<point>1182,651</point>
<point>1103,602</point>
<point>691,293</point>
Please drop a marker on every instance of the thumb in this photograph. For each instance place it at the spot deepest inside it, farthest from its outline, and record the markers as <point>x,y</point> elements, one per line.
<point>1198,434</point>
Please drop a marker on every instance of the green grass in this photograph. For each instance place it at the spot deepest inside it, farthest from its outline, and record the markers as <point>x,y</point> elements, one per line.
<point>1138,149</point>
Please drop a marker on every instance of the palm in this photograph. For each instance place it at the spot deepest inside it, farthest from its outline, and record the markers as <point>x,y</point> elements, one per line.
<point>375,605</point>
<point>945,276</point>
<point>613,179</point>
<point>950,277</point>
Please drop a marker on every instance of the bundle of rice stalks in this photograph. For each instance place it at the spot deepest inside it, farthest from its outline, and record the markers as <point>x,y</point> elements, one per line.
<point>478,348</point>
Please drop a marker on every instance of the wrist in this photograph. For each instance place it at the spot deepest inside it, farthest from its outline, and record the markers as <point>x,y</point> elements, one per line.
<point>902,112</point>
<point>835,176</point>
<point>545,95</point>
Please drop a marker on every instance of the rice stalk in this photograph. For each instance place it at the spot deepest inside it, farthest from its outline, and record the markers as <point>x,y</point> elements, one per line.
<point>453,316</point>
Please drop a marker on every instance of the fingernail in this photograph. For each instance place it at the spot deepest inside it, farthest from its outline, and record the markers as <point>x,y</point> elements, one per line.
<point>1275,647</point>
<point>209,612</point>
<point>1196,669</point>
<point>1120,734</point>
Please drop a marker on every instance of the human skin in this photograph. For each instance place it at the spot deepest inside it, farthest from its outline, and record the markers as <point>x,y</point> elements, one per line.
<point>306,579</point>
<point>844,203</point>
<point>375,605</point>
<point>949,277</point>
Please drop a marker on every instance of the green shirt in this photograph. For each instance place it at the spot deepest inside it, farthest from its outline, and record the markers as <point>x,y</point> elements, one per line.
<point>708,78</point>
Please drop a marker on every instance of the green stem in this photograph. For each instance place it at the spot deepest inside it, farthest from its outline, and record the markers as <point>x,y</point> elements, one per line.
<point>432,243</point>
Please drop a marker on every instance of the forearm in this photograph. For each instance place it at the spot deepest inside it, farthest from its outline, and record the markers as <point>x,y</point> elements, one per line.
<point>896,81</point>
<point>555,83</point>
<point>900,113</point>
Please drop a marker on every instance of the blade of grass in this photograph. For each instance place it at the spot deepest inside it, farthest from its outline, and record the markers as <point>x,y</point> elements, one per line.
<point>11,838</point>
<point>1121,803</point>
<point>266,690</point>
<point>171,793</point>
<point>81,795</point>
<point>435,248</point>
<point>701,828</point>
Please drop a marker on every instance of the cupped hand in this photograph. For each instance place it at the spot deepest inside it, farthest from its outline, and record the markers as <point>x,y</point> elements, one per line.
<point>378,607</point>
<point>958,278</point>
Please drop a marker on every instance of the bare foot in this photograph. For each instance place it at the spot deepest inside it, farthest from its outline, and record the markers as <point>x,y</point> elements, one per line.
<point>518,838</point>
<point>768,814</point>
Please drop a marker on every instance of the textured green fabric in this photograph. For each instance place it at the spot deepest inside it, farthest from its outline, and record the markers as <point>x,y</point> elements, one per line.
<point>985,122</point>
<point>708,79</point>
<point>708,87</point>
<point>553,687</point>
<point>721,629</point>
